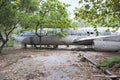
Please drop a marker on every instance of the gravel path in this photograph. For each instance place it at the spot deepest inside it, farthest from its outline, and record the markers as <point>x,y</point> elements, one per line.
<point>43,65</point>
<point>46,64</point>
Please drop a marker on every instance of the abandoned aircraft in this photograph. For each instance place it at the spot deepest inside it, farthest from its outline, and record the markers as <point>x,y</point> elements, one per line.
<point>29,38</point>
<point>73,38</point>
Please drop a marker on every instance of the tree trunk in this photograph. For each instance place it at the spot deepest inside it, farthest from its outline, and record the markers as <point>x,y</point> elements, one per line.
<point>4,37</point>
<point>40,38</point>
<point>1,48</point>
<point>39,35</point>
<point>2,45</point>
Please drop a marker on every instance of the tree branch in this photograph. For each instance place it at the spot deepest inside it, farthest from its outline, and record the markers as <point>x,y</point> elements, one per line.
<point>11,29</point>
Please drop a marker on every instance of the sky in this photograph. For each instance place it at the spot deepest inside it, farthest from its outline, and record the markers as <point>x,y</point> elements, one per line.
<point>73,3</point>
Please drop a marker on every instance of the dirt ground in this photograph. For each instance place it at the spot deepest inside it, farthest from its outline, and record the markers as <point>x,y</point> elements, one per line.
<point>46,64</point>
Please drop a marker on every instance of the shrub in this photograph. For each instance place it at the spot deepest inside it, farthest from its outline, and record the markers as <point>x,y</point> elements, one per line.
<point>110,62</point>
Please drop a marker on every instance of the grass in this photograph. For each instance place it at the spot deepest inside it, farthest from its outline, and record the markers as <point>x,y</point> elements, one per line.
<point>110,62</point>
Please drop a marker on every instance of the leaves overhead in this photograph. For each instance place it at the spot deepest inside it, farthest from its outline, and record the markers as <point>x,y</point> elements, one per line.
<point>53,14</point>
<point>103,12</point>
<point>7,15</point>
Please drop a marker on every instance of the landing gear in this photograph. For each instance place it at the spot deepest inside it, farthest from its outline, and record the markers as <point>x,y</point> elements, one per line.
<point>55,46</point>
<point>24,45</point>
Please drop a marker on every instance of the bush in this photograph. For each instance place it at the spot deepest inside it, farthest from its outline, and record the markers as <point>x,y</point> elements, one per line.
<point>110,62</point>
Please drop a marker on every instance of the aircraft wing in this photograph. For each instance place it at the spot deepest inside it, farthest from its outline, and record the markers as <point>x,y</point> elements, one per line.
<point>87,40</point>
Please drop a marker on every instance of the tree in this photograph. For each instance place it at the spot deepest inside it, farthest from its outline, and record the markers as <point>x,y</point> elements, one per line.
<point>31,14</point>
<point>81,23</point>
<point>105,13</point>
<point>51,14</point>
<point>10,15</point>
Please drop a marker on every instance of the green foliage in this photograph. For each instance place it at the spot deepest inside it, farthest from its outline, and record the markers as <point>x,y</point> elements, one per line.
<point>32,15</point>
<point>106,12</point>
<point>27,6</point>
<point>13,12</point>
<point>53,14</point>
<point>110,62</point>
<point>81,23</point>
<point>10,43</point>
<point>8,15</point>
<point>62,34</point>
